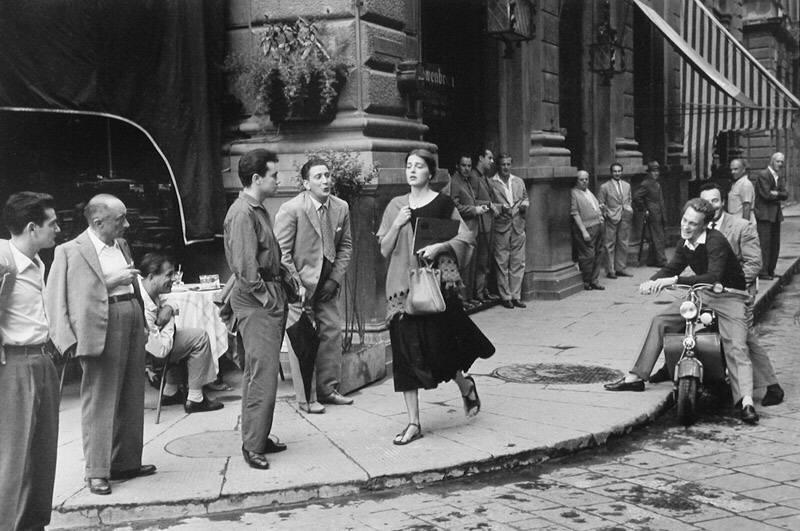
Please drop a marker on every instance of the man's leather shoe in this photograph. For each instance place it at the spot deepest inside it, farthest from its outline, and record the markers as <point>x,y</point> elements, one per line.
<point>661,375</point>
<point>611,275</point>
<point>312,407</point>
<point>336,399</point>
<point>774,395</point>
<point>200,407</point>
<point>765,276</point>
<point>597,286</point>
<point>144,470</point>
<point>623,274</point>
<point>587,286</point>
<point>622,385</point>
<point>171,400</point>
<point>490,296</point>
<point>518,303</point>
<point>507,304</point>
<point>257,461</point>
<point>749,415</point>
<point>98,486</point>
<point>273,447</point>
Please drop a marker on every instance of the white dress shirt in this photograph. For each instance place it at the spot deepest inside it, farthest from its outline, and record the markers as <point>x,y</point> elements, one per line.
<point>159,340</point>
<point>700,241</point>
<point>111,261</point>
<point>24,322</point>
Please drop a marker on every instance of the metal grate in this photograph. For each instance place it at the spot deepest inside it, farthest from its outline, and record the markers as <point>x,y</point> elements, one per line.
<point>551,373</point>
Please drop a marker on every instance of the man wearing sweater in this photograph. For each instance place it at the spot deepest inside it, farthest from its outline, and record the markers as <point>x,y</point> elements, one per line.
<point>587,231</point>
<point>709,255</point>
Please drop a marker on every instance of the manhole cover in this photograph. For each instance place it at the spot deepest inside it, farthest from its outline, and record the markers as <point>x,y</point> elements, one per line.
<point>545,373</point>
<point>206,444</point>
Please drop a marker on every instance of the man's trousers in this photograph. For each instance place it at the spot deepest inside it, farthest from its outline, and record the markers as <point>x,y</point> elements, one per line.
<point>509,257</point>
<point>589,254</point>
<point>193,345</point>
<point>769,234</point>
<point>28,440</point>
<point>763,371</point>
<point>732,319</point>
<point>261,329</point>
<point>482,262</point>
<point>112,395</point>
<point>616,242</point>
<point>656,255</point>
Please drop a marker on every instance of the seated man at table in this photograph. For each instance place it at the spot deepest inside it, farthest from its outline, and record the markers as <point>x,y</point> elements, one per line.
<point>167,342</point>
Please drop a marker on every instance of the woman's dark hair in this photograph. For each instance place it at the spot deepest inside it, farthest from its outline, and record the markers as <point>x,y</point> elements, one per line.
<point>254,161</point>
<point>26,207</point>
<point>427,156</point>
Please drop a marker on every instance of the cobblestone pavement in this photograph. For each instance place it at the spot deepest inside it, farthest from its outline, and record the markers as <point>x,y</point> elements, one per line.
<point>718,474</point>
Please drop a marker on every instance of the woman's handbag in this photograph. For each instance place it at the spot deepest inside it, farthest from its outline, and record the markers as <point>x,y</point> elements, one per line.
<point>424,290</point>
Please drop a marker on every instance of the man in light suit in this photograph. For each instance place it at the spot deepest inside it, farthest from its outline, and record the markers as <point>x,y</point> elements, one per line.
<point>28,381</point>
<point>510,195</point>
<point>770,187</point>
<point>473,202</point>
<point>95,311</point>
<point>615,202</point>
<point>313,231</point>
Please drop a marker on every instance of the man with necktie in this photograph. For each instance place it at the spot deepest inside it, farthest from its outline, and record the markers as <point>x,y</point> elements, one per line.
<point>615,202</point>
<point>313,231</point>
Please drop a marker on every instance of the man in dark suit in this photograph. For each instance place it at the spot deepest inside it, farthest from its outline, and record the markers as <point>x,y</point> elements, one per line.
<point>28,381</point>
<point>471,196</point>
<point>770,187</point>
<point>313,231</point>
<point>712,260</point>
<point>95,310</point>
<point>649,200</point>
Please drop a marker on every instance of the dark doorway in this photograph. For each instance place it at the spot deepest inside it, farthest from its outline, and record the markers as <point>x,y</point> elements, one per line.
<point>648,87</point>
<point>570,81</point>
<point>454,37</point>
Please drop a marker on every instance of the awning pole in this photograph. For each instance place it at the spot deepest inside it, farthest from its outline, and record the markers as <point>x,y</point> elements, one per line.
<point>108,149</point>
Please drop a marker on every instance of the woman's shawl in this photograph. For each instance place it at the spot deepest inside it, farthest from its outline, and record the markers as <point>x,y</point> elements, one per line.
<point>402,259</point>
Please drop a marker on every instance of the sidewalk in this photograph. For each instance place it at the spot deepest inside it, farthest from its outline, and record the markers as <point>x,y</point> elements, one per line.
<point>349,449</point>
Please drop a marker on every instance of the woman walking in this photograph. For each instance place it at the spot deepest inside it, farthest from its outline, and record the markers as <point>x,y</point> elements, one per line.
<point>428,349</point>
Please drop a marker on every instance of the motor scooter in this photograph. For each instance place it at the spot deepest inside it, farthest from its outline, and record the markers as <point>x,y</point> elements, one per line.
<point>696,358</point>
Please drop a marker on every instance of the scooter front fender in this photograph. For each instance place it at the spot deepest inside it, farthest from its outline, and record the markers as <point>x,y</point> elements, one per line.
<point>689,367</point>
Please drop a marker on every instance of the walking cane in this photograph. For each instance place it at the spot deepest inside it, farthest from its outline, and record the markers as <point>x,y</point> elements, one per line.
<point>644,238</point>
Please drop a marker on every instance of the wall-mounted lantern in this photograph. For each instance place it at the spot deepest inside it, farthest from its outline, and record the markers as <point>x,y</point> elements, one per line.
<point>510,21</point>
<point>607,52</point>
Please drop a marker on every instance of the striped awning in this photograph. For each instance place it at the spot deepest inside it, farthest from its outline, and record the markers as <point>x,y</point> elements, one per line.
<point>758,102</point>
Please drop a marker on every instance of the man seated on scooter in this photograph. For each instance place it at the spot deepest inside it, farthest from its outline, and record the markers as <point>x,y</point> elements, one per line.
<point>712,260</point>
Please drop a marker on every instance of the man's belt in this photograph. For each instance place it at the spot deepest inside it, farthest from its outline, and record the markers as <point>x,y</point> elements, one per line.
<point>121,298</point>
<point>20,350</point>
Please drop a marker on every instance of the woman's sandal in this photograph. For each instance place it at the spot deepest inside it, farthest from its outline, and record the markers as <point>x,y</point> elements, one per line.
<point>258,461</point>
<point>471,407</point>
<point>400,439</point>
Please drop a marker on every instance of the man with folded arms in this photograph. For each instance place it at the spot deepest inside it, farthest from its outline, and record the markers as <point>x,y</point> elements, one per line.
<point>313,231</point>
<point>28,381</point>
<point>712,260</point>
<point>770,186</point>
<point>166,341</point>
<point>95,311</point>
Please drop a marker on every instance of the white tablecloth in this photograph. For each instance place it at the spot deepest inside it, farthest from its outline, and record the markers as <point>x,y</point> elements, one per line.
<point>197,310</point>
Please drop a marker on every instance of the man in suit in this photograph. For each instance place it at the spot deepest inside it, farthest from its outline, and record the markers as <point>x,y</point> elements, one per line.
<point>711,258</point>
<point>166,341</point>
<point>258,301</point>
<point>742,195</point>
<point>28,381</point>
<point>95,311</point>
<point>482,172</point>
<point>509,193</point>
<point>587,230</point>
<point>471,196</point>
<point>770,187</point>
<point>313,231</point>
<point>649,200</point>
<point>615,202</point>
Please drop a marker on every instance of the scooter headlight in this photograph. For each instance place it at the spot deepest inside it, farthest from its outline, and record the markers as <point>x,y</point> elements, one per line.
<point>706,318</point>
<point>688,342</point>
<point>688,310</point>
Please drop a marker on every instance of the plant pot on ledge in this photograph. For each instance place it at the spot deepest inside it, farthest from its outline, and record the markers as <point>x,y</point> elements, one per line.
<point>308,104</point>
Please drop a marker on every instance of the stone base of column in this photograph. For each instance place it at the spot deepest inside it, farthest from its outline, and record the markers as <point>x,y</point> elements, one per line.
<point>555,283</point>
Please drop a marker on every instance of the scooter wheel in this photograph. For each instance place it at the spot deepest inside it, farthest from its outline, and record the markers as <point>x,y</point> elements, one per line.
<point>687,400</point>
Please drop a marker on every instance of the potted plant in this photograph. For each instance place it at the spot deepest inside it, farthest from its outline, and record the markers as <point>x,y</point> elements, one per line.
<point>291,77</point>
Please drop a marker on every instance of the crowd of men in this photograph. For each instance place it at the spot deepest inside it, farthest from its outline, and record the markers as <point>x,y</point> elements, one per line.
<point>98,307</point>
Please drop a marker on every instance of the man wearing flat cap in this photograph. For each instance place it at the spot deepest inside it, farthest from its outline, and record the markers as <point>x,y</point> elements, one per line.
<point>649,199</point>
